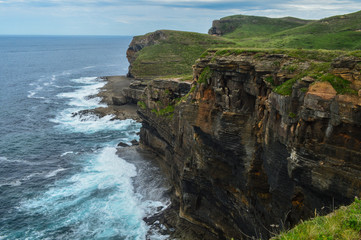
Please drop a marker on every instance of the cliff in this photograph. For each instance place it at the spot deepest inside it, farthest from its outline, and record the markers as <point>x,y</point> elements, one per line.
<point>336,32</point>
<point>243,26</point>
<point>260,139</point>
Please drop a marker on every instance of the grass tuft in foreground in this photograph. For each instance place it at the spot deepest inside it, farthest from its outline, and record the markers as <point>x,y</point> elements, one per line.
<point>344,223</point>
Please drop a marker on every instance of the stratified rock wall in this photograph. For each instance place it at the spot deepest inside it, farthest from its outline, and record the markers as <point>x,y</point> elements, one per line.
<point>246,161</point>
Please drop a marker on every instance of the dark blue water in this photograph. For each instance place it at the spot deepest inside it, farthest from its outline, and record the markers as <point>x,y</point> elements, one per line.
<point>60,176</point>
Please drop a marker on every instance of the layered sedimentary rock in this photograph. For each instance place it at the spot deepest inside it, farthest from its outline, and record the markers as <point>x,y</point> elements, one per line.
<point>247,161</point>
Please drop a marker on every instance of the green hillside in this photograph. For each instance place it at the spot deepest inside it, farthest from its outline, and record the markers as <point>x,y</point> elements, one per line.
<point>241,26</point>
<point>174,55</point>
<point>339,32</point>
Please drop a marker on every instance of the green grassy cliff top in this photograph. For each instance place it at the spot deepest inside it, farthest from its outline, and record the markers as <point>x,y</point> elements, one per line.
<point>174,55</point>
<point>344,223</point>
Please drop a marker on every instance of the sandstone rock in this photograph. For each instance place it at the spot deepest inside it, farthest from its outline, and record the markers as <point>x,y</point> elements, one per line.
<point>121,100</point>
<point>344,62</point>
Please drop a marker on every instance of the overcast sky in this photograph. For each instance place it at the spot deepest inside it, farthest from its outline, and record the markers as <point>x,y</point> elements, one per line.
<point>135,17</point>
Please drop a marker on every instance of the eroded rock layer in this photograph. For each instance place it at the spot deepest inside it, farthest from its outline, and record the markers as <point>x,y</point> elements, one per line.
<point>247,161</point>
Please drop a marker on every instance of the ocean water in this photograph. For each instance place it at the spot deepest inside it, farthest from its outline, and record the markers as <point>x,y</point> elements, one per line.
<point>60,176</point>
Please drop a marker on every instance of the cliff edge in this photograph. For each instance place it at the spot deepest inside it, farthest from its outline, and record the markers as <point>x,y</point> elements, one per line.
<point>260,139</point>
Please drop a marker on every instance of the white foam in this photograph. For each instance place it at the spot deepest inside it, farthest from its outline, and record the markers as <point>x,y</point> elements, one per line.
<point>91,123</point>
<point>35,91</point>
<point>87,80</point>
<point>79,100</point>
<point>40,84</point>
<point>80,97</point>
<point>88,67</point>
<point>99,200</point>
<point>66,153</point>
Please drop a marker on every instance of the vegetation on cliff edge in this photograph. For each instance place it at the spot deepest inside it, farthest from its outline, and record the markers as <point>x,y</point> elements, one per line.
<point>344,223</point>
<point>318,67</point>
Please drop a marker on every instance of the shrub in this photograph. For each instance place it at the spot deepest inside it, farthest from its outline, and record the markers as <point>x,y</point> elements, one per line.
<point>142,104</point>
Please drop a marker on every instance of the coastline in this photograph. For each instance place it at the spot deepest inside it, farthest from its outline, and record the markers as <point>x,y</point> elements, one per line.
<point>165,221</point>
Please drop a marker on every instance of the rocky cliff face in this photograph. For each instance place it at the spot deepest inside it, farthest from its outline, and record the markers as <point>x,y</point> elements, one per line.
<point>246,161</point>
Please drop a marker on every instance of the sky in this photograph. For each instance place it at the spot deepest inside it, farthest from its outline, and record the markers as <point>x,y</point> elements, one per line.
<point>137,17</point>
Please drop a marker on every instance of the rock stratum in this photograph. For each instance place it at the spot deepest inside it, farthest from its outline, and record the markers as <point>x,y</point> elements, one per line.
<point>246,159</point>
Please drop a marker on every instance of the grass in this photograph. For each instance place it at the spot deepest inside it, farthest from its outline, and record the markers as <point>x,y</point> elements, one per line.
<point>344,223</point>
<point>175,55</point>
<point>242,26</point>
<point>292,115</point>
<point>321,55</point>
<point>205,75</point>
<point>270,80</point>
<point>334,33</point>
<point>142,104</point>
<point>286,87</point>
<point>341,85</point>
<point>167,111</point>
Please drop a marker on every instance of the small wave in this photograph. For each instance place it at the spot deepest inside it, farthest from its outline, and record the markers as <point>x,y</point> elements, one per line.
<point>4,159</point>
<point>55,172</point>
<point>14,183</point>
<point>63,86</point>
<point>88,67</point>
<point>18,182</point>
<point>66,153</point>
<point>35,91</point>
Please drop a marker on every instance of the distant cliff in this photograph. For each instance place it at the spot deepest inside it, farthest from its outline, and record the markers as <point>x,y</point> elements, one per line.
<point>336,32</point>
<point>260,139</point>
<point>247,26</point>
<point>167,53</point>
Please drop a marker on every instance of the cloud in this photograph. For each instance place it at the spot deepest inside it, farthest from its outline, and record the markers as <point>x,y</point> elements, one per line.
<point>130,17</point>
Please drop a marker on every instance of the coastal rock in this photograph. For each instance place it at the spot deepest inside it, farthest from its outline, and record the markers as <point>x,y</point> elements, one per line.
<point>242,158</point>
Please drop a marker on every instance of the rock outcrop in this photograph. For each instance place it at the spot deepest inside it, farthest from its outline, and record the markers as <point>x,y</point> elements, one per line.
<point>245,160</point>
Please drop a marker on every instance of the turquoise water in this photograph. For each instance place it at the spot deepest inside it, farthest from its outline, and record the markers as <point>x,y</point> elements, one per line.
<point>60,176</point>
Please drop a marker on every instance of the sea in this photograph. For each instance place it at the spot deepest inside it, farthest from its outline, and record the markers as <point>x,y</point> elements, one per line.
<point>60,174</point>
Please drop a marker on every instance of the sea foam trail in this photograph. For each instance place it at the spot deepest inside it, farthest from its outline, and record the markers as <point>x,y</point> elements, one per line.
<point>97,203</point>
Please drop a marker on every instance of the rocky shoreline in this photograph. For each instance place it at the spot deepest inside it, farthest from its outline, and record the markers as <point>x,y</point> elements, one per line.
<point>121,93</point>
<point>117,104</point>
